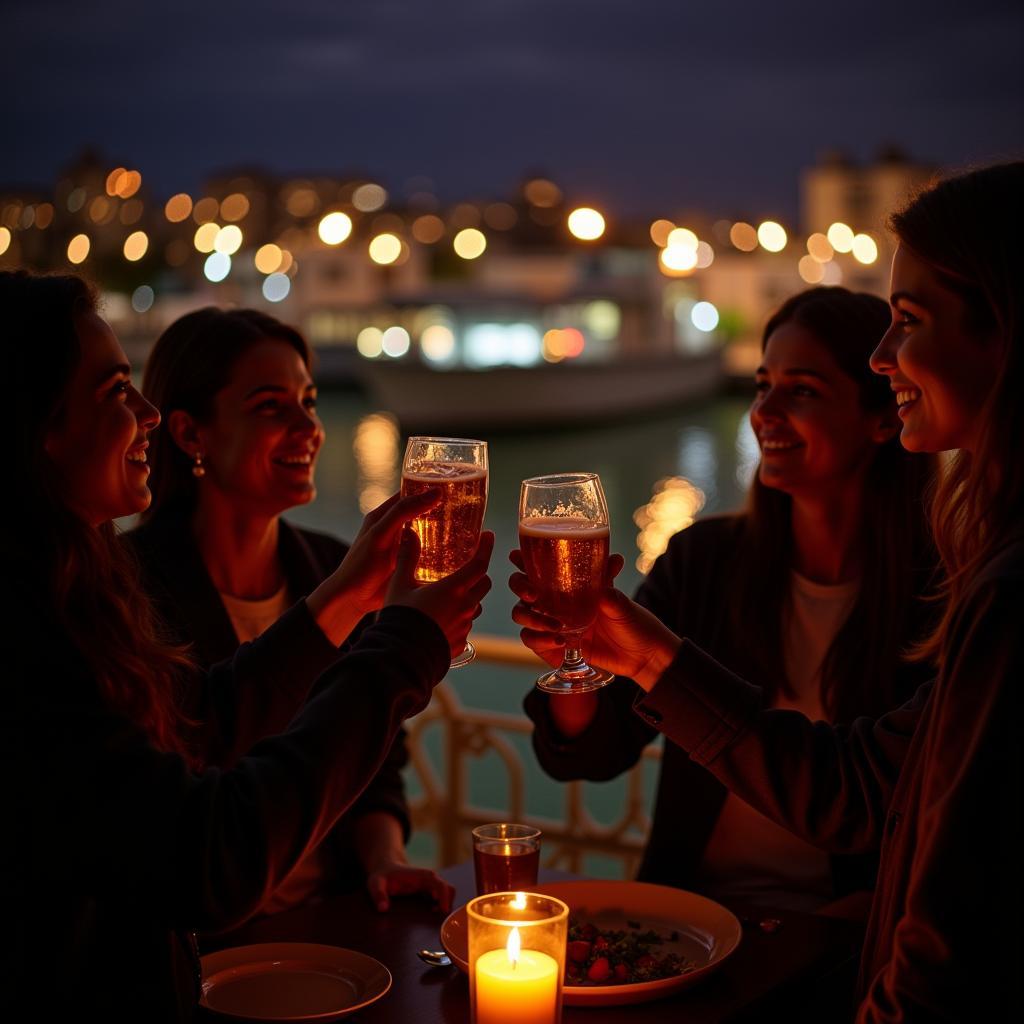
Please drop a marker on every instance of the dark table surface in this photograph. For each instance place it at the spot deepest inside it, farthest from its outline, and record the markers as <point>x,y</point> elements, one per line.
<point>801,971</point>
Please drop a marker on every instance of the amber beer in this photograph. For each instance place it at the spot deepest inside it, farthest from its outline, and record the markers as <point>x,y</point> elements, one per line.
<point>566,559</point>
<point>448,533</point>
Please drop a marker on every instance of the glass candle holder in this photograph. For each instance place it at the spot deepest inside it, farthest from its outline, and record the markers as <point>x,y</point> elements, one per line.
<point>517,943</point>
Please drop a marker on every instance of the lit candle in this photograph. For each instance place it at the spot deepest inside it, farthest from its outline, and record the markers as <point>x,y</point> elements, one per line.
<point>515,986</point>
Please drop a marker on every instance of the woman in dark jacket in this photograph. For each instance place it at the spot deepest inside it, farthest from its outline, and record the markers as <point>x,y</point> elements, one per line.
<point>238,446</point>
<point>116,850</point>
<point>813,593</point>
<point>937,783</point>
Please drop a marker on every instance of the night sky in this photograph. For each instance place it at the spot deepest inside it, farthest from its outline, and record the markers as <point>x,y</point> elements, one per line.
<point>643,106</point>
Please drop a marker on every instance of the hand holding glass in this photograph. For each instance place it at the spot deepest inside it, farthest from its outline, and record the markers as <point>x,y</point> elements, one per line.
<point>564,539</point>
<point>448,533</point>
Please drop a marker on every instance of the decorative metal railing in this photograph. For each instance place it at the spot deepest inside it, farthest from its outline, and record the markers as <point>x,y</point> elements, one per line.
<point>443,807</point>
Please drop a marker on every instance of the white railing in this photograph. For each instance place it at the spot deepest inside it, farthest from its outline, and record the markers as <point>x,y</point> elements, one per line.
<point>443,808</point>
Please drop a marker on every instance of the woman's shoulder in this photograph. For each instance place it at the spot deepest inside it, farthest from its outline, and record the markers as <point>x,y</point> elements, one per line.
<point>707,537</point>
<point>325,548</point>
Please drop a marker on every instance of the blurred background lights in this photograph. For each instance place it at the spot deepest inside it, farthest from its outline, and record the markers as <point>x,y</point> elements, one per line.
<point>586,224</point>
<point>469,243</point>
<point>369,197</point>
<point>743,236</point>
<point>206,236</point>
<point>566,343</point>
<point>335,228</point>
<point>44,215</point>
<point>864,249</point>
<point>543,193</point>
<point>385,249</point>
<point>228,240</point>
<point>218,266</point>
<point>142,299</point>
<point>276,287</point>
<point>772,236</point>
<point>677,259</point>
<point>833,274</point>
<point>268,258</point>
<point>370,342</point>
<point>301,201</point>
<point>840,237</point>
<point>602,318</point>
<point>135,246</point>
<point>131,211</point>
<point>234,207</point>
<point>705,255</point>
<point>660,231</point>
<point>78,247</point>
<point>427,229</point>
<point>113,180</point>
<point>77,199</point>
<point>682,238</point>
<point>704,316</point>
<point>205,210</point>
<point>437,343</point>
<point>811,270</point>
<point>820,247</point>
<point>394,342</point>
<point>500,216</point>
<point>5,242</point>
<point>673,507</point>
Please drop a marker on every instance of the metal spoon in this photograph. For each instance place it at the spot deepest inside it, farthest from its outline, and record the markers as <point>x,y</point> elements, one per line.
<point>435,957</point>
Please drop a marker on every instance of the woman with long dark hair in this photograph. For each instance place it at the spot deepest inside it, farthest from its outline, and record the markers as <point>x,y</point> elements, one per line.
<point>237,447</point>
<point>936,784</point>
<point>813,592</point>
<point>115,850</point>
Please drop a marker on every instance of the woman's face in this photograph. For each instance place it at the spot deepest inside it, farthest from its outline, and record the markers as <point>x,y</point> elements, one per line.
<point>814,435</point>
<point>941,369</point>
<point>99,444</point>
<point>261,444</point>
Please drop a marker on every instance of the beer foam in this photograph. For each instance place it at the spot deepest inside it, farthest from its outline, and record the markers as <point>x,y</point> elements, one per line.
<point>431,472</point>
<point>561,526</point>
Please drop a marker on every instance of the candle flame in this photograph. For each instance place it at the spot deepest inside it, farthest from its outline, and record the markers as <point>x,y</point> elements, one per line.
<point>513,947</point>
<point>519,903</point>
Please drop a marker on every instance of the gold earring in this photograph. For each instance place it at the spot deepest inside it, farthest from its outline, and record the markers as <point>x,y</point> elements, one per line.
<point>198,469</point>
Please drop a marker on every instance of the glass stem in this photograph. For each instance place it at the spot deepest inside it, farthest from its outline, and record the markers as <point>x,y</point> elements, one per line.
<point>573,657</point>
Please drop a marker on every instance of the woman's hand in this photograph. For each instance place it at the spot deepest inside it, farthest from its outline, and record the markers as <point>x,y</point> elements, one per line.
<point>624,638</point>
<point>359,585</point>
<point>454,602</point>
<point>397,878</point>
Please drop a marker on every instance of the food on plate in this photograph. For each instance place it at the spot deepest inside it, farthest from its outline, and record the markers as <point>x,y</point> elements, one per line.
<point>605,956</point>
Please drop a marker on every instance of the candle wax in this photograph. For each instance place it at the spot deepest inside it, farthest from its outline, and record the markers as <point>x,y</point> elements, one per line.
<point>524,992</point>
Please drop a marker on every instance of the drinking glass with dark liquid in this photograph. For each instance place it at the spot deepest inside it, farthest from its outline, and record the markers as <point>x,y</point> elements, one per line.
<point>564,539</point>
<point>449,532</point>
<point>505,858</point>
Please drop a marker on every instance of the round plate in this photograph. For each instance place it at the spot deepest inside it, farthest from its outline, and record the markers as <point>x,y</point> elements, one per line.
<point>708,933</point>
<point>298,982</point>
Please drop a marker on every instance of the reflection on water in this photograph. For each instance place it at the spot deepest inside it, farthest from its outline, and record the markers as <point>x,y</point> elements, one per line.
<point>375,446</point>
<point>748,453</point>
<point>697,460</point>
<point>673,507</point>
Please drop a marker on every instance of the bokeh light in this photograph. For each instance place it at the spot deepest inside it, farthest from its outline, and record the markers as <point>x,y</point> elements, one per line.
<point>369,342</point>
<point>335,228</point>
<point>228,240</point>
<point>302,201</point>
<point>78,247</point>
<point>673,507</point>
<point>206,236</point>
<point>268,258</point>
<point>811,270</point>
<point>395,342</point>
<point>114,180</point>
<point>660,231</point>
<point>469,243</point>
<point>437,343</point>
<point>677,261</point>
<point>682,238</point>
<point>427,229</point>
<point>369,197</point>
<point>500,216</point>
<point>743,236</point>
<point>143,298</point>
<point>276,287</point>
<point>704,316</point>
<point>77,199</point>
<point>864,249</point>
<point>385,249</point>
<point>234,207</point>
<point>543,193</point>
<point>840,237</point>
<point>205,210</point>
<point>833,274</point>
<point>705,255</point>
<point>135,246</point>
<point>217,266</point>
<point>772,236</point>
<point>586,224</point>
<point>5,240</point>
<point>44,216</point>
<point>820,247</point>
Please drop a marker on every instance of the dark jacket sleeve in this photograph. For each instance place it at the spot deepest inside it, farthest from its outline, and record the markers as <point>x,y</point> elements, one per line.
<point>203,851</point>
<point>956,950</point>
<point>830,785</point>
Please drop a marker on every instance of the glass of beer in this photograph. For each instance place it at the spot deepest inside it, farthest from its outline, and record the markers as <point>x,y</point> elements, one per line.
<point>449,532</point>
<point>564,537</point>
<point>505,857</point>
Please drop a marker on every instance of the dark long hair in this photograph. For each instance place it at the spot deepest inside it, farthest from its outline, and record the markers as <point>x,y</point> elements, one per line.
<point>75,575</point>
<point>191,361</point>
<point>968,229</point>
<point>859,669</point>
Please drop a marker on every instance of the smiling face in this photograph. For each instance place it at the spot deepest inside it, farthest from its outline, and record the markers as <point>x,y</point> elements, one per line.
<point>941,368</point>
<point>261,444</point>
<point>814,434</point>
<point>98,446</point>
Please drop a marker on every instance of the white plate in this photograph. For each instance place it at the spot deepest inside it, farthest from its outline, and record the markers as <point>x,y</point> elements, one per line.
<point>297,982</point>
<point>708,933</point>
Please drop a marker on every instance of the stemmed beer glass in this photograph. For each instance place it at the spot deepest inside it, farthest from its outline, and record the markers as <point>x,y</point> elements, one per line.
<point>449,532</point>
<point>564,539</point>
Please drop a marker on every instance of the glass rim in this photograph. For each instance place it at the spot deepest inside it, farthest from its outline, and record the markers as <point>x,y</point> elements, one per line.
<point>445,440</point>
<point>561,479</point>
<point>561,908</point>
<point>530,831</point>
